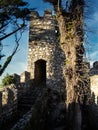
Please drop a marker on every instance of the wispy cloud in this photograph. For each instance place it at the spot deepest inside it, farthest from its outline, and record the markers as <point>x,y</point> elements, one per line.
<point>92,57</point>
<point>95,16</point>
<point>92,19</point>
<point>92,35</point>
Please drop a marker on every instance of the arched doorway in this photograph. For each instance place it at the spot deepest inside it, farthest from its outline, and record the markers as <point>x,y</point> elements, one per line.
<point>40,71</point>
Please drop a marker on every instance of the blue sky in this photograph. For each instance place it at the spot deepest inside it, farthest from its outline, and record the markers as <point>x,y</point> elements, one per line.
<point>92,31</point>
<point>19,61</point>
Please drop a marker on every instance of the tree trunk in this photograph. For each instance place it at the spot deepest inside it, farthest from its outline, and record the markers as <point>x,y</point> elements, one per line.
<point>71,40</point>
<point>71,43</point>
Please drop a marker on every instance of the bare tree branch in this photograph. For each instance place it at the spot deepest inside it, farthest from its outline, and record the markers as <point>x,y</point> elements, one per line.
<point>2,38</point>
<point>9,58</point>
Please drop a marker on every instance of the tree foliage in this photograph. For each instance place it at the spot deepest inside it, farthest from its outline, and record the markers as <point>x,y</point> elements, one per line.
<point>10,14</point>
<point>7,80</point>
<point>14,14</point>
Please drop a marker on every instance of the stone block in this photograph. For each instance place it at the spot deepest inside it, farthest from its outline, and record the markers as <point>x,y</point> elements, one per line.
<point>25,76</point>
<point>16,78</point>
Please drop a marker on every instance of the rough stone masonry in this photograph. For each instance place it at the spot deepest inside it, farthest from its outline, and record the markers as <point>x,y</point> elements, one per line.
<point>45,56</point>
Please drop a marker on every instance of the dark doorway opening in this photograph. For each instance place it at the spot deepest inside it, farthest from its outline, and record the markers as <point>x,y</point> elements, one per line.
<point>40,71</point>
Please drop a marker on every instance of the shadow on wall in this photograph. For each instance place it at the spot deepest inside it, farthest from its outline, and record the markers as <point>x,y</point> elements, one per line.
<point>7,99</point>
<point>8,106</point>
<point>49,113</point>
<point>94,98</point>
<point>57,80</point>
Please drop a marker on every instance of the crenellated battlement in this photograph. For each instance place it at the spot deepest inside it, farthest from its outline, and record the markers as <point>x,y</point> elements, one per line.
<point>35,14</point>
<point>47,13</point>
<point>42,28</point>
<point>22,78</point>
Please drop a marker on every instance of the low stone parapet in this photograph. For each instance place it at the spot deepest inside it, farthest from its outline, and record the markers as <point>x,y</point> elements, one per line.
<point>8,102</point>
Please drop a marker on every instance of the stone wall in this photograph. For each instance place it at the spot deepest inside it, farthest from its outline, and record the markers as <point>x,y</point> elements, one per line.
<point>24,77</point>
<point>8,102</point>
<point>94,69</point>
<point>94,82</point>
<point>16,78</point>
<point>9,96</point>
<point>94,87</point>
<point>44,46</point>
<point>23,88</point>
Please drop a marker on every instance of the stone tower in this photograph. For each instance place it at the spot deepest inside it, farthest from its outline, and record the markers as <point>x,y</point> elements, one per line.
<point>45,56</point>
